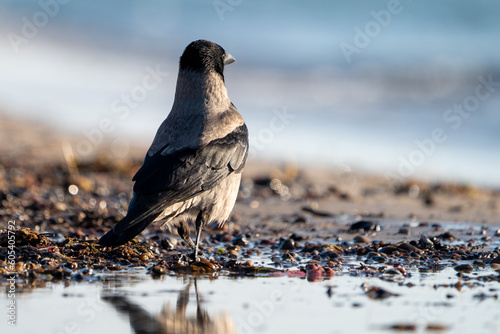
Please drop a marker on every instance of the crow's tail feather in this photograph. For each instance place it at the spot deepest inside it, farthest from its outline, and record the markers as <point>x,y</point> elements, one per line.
<point>143,210</point>
<point>113,238</point>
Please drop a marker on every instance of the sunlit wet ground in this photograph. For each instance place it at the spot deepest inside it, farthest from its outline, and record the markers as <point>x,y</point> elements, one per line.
<point>132,301</point>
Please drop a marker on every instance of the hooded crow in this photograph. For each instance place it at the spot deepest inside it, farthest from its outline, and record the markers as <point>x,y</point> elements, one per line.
<point>192,170</point>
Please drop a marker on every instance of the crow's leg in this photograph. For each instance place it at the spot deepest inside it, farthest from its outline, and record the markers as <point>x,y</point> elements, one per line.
<point>199,227</point>
<point>184,233</point>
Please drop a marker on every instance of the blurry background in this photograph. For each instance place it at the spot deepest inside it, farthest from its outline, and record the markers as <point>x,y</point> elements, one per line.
<point>355,84</point>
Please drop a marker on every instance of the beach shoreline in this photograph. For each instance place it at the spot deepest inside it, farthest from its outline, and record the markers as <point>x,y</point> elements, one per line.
<point>336,192</point>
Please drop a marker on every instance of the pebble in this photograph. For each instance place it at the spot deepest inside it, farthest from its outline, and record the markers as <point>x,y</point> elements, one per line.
<point>240,240</point>
<point>404,231</point>
<point>379,259</point>
<point>436,328</point>
<point>403,327</point>
<point>233,252</point>
<point>168,243</point>
<point>496,260</point>
<point>388,250</point>
<point>479,264</point>
<point>317,272</point>
<point>330,255</point>
<point>300,220</point>
<point>372,254</point>
<point>287,244</point>
<point>464,268</point>
<point>406,247</point>
<point>364,225</point>
<point>393,275</point>
<point>447,236</point>
<point>159,270</point>
<point>426,242</point>
<point>361,239</point>
<point>375,292</point>
<point>296,237</point>
<point>288,257</point>
<point>329,292</point>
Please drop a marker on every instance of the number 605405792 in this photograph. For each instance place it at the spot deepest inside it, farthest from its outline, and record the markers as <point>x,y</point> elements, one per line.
<point>11,236</point>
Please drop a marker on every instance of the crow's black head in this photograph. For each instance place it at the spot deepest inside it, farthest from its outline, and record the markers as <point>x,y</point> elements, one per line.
<point>202,55</point>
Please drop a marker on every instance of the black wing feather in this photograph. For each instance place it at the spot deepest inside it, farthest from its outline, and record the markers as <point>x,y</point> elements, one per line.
<point>189,171</point>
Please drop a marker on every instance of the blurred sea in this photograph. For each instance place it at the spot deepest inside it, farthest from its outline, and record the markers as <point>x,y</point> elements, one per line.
<point>410,63</point>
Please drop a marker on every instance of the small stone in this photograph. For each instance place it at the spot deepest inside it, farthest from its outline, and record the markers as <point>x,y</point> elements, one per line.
<point>288,257</point>
<point>330,255</point>
<point>329,292</point>
<point>403,327</point>
<point>296,237</point>
<point>159,270</point>
<point>426,242</point>
<point>240,240</point>
<point>168,243</point>
<point>404,231</point>
<point>429,200</point>
<point>436,328</point>
<point>464,268</point>
<point>479,264</point>
<point>361,239</point>
<point>287,244</point>
<point>364,225</point>
<point>233,252</point>
<point>388,250</point>
<point>300,220</point>
<point>393,275</point>
<point>406,247</point>
<point>496,260</point>
<point>379,259</point>
<point>446,236</point>
<point>375,292</point>
<point>372,254</point>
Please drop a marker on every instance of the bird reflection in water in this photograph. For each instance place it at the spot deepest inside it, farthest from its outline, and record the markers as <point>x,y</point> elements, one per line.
<point>174,321</point>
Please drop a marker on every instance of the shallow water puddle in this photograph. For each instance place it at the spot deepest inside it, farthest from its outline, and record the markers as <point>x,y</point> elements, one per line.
<point>131,301</point>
